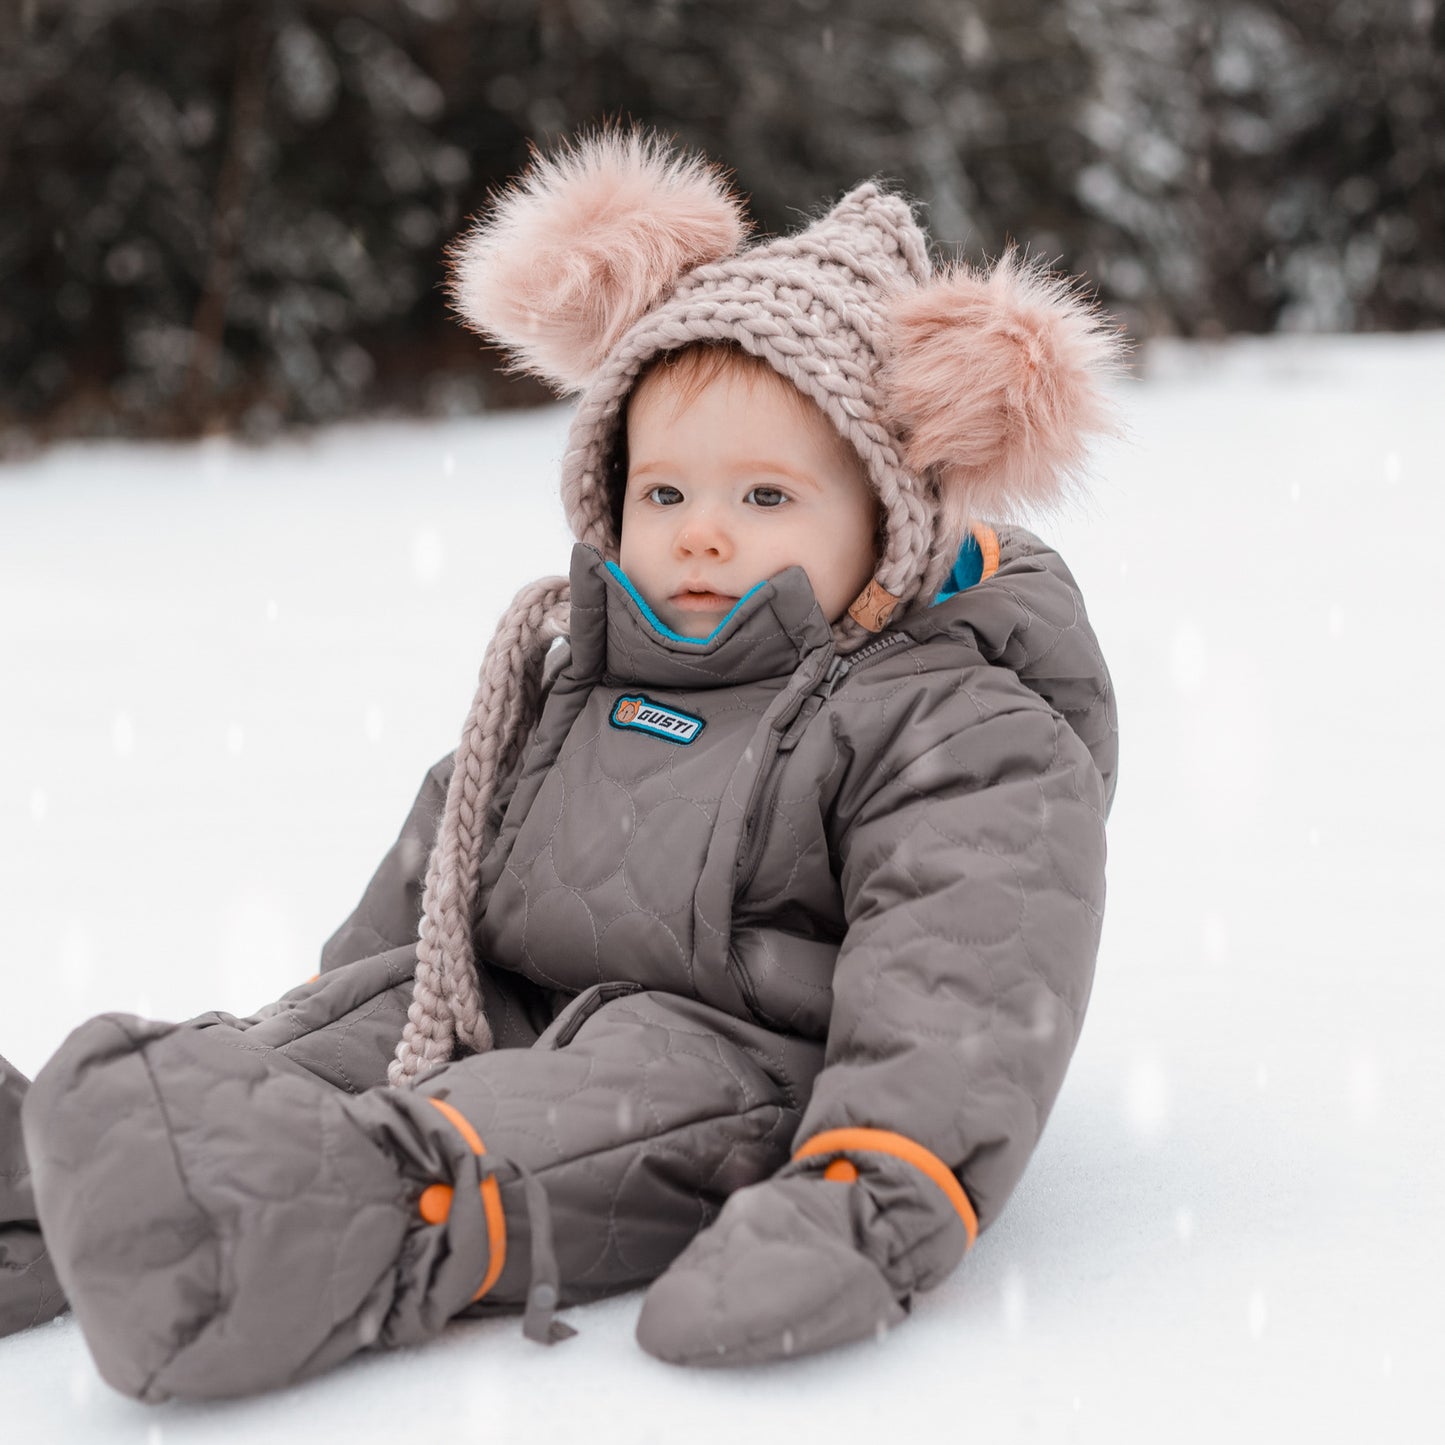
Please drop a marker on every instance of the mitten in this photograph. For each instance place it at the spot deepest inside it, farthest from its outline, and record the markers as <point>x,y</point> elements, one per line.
<point>804,1261</point>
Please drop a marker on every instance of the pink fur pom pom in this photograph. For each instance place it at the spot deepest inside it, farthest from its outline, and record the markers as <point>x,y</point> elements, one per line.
<point>584,243</point>
<point>994,382</point>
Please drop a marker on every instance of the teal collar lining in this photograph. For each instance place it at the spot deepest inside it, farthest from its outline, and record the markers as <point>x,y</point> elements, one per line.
<point>967,570</point>
<point>659,625</point>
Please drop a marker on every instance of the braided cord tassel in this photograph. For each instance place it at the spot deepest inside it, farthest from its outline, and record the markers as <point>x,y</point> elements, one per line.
<point>446,1003</point>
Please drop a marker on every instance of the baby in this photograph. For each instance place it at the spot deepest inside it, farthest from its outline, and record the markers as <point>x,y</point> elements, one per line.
<point>741,946</point>
<point>733,476</point>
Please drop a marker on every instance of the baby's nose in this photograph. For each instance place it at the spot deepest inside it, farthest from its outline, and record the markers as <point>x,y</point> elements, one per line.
<point>703,535</point>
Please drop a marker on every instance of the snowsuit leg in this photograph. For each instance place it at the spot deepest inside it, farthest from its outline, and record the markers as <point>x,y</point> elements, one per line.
<point>232,1205</point>
<point>29,1292</point>
<point>653,1103</point>
<point>640,1113</point>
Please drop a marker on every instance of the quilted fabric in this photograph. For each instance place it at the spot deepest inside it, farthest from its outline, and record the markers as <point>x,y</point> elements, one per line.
<point>908,865</point>
<point>867,894</point>
<point>29,1294</point>
<point>227,1220</point>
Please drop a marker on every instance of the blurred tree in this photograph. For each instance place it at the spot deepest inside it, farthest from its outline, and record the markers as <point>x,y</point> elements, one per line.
<point>227,213</point>
<point>232,212</point>
<point>1260,166</point>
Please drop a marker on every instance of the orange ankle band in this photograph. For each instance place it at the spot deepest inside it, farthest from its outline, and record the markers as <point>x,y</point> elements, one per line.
<point>436,1201</point>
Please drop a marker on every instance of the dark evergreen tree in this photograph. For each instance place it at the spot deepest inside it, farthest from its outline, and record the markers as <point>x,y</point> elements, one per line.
<point>1261,166</point>
<point>232,212</point>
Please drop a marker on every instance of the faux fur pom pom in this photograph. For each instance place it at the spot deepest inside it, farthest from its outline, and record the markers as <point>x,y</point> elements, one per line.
<point>995,382</point>
<point>584,243</point>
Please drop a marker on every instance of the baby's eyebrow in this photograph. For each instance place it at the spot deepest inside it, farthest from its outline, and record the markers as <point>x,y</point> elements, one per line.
<point>747,467</point>
<point>646,467</point>
<point>778,469</point>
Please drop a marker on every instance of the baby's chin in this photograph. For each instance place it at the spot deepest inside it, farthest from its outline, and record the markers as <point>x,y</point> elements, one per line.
<point>694,624</point>
<point>691,621</point>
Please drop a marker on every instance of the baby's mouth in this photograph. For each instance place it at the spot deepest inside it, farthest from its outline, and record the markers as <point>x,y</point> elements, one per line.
<point>691,601</point>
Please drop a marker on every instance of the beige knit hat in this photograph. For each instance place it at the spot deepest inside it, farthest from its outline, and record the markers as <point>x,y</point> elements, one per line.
<point>967,395</point>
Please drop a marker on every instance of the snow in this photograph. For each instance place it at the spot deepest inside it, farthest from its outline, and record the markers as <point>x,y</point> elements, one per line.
<point>223,673</point>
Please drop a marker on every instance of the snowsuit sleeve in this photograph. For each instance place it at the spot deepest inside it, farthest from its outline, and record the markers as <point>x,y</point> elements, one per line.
<point>972,865</point>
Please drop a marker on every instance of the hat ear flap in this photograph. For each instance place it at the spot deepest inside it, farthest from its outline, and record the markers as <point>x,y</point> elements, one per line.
<point>584,243</point>
<point>994,385</point>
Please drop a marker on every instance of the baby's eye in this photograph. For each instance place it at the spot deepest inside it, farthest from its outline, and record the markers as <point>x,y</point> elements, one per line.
<point>766,497</point>
<point>662,496</point>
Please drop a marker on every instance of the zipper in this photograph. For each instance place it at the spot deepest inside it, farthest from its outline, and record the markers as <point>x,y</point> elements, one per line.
<point>760,808</point>
<point>840,667</point>
<point>782,737</point>
<point>744,983</point>
<point>756,823</point>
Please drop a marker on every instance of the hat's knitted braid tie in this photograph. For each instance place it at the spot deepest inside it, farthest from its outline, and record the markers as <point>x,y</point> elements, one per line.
<point>446,1003</point>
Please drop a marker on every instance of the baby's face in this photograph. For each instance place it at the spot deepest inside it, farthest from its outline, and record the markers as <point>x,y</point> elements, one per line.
<point>728,489</point>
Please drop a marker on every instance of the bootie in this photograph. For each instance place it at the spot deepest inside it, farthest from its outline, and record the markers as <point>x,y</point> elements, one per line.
<point>225,1222</point>
<point>29,1291</point>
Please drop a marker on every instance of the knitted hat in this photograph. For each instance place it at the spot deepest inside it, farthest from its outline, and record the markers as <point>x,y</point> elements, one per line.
<point>967,395</point>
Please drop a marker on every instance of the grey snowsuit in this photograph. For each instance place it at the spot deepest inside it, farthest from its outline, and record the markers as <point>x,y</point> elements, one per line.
<point>737,895</point>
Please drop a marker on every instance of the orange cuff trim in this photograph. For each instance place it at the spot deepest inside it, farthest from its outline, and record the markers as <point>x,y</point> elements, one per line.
<point>883,1141</point>
<point>436,1201</point>
<point>987,540</point>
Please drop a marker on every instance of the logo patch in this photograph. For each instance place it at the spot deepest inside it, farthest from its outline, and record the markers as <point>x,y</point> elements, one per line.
<point>634,711</point>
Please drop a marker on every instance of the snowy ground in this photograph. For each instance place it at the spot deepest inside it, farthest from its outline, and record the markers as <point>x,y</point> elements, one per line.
<point>223,674</point>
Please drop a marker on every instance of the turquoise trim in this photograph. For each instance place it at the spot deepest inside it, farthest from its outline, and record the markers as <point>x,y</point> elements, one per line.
<point>659,625</point>
<point>966,571</point>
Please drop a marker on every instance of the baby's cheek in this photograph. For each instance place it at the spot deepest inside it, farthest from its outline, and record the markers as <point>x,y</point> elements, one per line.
<point>631,553</point>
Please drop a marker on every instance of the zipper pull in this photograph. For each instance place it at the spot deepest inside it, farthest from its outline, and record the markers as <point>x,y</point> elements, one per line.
<point>812,701</point>
<point>837,670</point>
<point>840,667</point>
